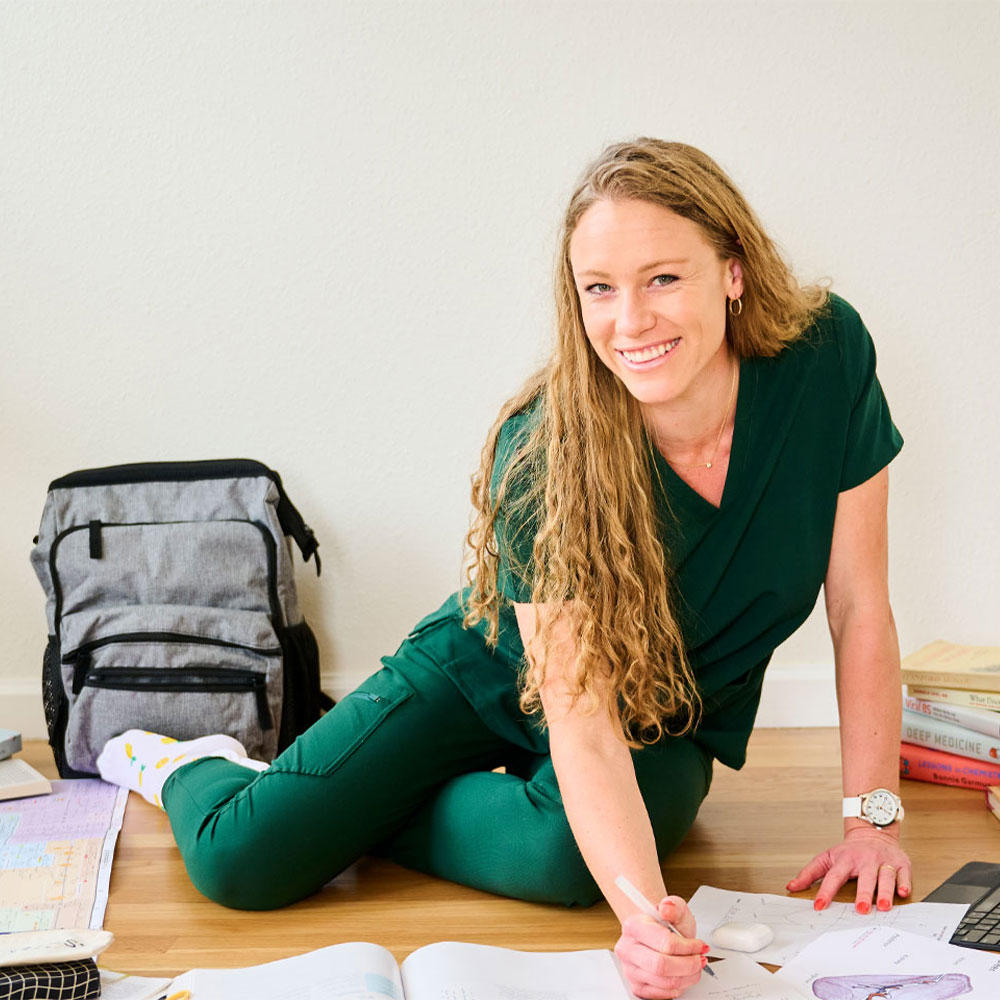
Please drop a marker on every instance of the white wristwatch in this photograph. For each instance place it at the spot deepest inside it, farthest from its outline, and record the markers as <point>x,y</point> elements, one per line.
<point>880,807</point>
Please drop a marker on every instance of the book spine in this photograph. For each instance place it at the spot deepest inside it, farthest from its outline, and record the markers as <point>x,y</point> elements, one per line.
<point>928,732</point>
<point>923,764</point>
<point>951,679</point>
<point>978,721</point>
<point>987,700</point>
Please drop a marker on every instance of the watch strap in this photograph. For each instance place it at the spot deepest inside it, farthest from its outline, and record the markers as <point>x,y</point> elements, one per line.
<point>852,807</point>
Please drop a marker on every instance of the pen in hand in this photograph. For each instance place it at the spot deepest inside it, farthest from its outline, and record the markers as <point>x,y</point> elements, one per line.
<point>651,911</point>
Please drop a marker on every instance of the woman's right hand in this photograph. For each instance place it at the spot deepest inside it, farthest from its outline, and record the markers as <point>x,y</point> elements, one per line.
<point>657,963</point>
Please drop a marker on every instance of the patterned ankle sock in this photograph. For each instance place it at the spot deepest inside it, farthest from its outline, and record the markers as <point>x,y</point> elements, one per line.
<point>142,761</point>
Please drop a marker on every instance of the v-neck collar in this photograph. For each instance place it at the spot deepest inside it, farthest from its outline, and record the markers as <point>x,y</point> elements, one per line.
<point>685,495</point>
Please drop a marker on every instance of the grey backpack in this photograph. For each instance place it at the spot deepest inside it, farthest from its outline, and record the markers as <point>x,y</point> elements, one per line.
<point>171,607</point>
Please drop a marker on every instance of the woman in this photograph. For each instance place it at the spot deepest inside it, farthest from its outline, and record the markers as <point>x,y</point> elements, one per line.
<point>656,511</point>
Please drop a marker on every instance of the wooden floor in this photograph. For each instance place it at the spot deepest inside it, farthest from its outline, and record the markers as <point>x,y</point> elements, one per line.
<point>755,830</point>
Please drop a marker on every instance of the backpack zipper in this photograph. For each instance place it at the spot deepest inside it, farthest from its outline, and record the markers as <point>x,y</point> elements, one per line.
<point>270,551</point>
<point>201,679</point>
<point>86,648</point>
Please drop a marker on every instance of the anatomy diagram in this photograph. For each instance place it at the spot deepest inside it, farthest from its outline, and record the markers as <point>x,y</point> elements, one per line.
<point>892,987</point>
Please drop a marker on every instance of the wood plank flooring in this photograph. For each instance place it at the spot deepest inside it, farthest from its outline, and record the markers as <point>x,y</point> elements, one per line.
<point>755,830</point>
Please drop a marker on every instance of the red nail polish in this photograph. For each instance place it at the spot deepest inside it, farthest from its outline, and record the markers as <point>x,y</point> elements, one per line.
<point>704,961</point>
<point>705,949</point>
<point>864,907</point>
<point>883,904</point>
<point>819,904</point>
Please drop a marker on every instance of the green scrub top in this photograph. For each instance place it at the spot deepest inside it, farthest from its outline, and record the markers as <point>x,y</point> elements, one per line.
<point>810,423</point>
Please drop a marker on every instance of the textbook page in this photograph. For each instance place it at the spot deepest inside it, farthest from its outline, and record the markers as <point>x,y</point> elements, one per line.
<point>795,923</point>
<point>353,971</point>
<point>122,986</point>
<point>450,970</point>
<point>885,962</point>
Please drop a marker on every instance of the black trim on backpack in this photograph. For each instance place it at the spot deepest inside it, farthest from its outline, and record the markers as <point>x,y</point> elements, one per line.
<point>292,522</point>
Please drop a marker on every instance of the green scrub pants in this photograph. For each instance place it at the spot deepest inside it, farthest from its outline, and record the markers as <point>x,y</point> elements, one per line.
<point>403,767</point>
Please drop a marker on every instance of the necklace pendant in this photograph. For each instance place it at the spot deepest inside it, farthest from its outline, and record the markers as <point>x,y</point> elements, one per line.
<point>708,465</point>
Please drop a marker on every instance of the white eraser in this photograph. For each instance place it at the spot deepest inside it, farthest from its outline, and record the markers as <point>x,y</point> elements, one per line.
<point>740,935</point>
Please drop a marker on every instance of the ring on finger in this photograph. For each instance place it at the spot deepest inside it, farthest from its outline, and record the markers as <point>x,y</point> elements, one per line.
<point>887,866</point>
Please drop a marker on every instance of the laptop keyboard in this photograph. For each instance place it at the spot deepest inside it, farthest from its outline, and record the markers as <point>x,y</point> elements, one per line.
<point>980,927</point>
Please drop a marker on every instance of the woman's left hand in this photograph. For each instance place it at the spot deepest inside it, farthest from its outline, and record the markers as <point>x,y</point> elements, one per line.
<point>870,855</point>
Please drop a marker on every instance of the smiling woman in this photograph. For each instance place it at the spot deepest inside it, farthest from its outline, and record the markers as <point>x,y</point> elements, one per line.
<point>663,333</point>
<point>658,248</point>
<point>655,511</point>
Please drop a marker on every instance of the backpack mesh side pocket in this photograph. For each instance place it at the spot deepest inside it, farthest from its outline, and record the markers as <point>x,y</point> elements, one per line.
<point>304,701</point>
<point>55,702</point>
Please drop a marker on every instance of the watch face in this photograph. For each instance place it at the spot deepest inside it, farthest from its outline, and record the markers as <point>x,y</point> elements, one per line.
<point>881,807</point>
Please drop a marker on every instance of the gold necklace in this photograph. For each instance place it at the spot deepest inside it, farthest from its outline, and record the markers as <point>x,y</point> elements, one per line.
<point>718,437</point>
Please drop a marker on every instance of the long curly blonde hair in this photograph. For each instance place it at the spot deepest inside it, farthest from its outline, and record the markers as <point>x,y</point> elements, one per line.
<point>583,474</point>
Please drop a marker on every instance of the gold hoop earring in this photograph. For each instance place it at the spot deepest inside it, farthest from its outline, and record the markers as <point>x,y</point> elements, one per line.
<point>738,302</point>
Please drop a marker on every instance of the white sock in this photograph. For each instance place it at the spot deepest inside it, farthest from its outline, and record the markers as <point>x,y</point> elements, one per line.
<point>142,761</point>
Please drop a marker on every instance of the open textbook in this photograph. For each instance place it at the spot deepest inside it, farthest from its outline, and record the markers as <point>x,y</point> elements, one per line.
<point>444,971</point>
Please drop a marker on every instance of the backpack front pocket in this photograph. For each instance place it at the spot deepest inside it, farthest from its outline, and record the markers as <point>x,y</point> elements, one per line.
<point>185,673</point>
<point>103,565</point>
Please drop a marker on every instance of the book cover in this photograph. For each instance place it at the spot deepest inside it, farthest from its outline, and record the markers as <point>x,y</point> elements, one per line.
<point>928,732</point>
<point>946,664</point>
<point>989,700</point>
<point>924,764</point>
<point>979,721</point>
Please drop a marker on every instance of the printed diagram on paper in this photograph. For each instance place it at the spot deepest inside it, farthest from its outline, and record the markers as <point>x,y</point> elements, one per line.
<point>795,923</point>
<point>942,986</point>
<point>884,963</point>
<point>55,855</point>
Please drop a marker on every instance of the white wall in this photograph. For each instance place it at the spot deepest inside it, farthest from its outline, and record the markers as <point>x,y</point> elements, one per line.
<point>321,234</point>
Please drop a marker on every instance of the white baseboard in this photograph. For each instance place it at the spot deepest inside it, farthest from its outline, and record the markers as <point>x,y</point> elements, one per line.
<point>21,708</point>
<point>800,696</point>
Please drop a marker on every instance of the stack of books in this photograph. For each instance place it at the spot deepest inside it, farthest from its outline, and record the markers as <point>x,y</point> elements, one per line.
<point>951,715</point>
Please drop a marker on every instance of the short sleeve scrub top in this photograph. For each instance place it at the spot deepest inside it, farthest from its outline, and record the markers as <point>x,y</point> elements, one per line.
<point>810,423</point>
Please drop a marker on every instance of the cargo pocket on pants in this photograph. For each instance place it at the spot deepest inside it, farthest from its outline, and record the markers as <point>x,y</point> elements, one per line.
<point>323,748</point>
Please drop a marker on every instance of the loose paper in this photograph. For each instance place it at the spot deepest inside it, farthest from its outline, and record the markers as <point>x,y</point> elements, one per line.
<point>742,979</point>
<point>887,962</point>
<point>55,855</point>
<point>796,923</point>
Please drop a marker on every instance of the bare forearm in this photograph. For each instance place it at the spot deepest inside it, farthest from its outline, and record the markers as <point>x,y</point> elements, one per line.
<point>868,693</point>
<point>609,820</point>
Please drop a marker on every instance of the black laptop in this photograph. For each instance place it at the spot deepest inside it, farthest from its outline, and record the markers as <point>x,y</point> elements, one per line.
<point>977,883</point>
